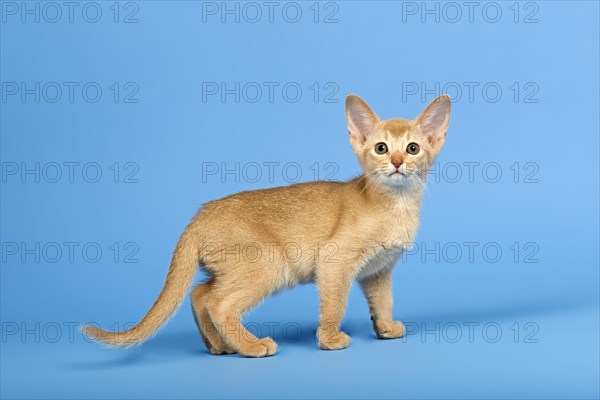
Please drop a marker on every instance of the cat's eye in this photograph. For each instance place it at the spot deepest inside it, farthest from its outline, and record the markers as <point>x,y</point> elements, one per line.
<point>381,148</point>
<point>412,148</point>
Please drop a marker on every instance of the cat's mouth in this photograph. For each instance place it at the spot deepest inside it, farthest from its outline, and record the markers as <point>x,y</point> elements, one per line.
<point>397,173</point>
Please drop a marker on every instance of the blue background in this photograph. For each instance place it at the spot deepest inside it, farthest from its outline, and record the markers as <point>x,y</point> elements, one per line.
<point>170,133</point>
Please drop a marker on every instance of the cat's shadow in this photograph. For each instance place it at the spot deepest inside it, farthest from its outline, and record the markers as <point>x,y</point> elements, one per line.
<point>173,346</point>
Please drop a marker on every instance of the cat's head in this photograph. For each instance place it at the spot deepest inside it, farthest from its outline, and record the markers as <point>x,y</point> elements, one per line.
<point>397,152</point>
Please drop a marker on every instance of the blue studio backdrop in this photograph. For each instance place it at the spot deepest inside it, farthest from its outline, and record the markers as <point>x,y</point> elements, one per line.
<point>120,118</point>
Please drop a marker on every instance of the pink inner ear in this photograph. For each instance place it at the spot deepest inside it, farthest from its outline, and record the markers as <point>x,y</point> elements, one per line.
<point>435,139</point>
<point>361,120</point>
<point>433,127</point>
<point>359,129</point>
<point>434,123</point>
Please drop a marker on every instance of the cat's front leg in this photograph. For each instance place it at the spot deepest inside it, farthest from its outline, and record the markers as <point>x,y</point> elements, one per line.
<point>334,286</point>
<point>378,290</point>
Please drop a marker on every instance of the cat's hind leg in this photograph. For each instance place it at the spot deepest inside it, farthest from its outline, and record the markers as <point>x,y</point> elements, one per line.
<point>226,305</point>
<point>210,335</point>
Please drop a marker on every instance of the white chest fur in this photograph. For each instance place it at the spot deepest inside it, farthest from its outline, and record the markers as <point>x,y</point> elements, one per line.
<point>391,243</point>
<point>379,260</point>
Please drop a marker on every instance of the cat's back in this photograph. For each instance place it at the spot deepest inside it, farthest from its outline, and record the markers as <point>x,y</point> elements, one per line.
<point>307,195</point>
<point>289,211</point>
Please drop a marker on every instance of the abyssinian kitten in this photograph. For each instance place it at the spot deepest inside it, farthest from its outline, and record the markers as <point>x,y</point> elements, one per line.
<point>368,221</point>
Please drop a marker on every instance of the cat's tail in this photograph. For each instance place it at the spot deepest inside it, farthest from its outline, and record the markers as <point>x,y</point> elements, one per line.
<point>179,279</point>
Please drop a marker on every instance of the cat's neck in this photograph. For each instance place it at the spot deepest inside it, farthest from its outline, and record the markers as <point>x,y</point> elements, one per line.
<point>399,198</point>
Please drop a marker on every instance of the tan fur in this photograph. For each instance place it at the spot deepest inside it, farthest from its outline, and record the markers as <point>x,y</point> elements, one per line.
<point>255,243</point>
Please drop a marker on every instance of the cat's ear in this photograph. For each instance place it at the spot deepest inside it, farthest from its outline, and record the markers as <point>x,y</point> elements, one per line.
<point>434,120</point>
<point>361,120</point>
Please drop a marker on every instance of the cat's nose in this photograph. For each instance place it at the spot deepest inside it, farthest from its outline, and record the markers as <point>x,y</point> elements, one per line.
<point>396,159</point>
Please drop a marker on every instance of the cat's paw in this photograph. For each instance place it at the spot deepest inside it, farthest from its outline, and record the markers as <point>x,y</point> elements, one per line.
<point>221,351</point>
<point>389,330</point>
<point>333,340</point>
<point>264,347</point>
<point>217,351</point>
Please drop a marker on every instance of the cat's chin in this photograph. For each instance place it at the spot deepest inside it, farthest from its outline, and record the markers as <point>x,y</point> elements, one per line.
<point>397,180</point>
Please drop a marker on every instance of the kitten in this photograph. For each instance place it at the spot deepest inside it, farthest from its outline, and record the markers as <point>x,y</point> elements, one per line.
<point>255,243</point>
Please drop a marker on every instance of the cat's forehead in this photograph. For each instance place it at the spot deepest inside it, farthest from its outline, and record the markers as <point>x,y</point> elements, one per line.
<point>396,127</point>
